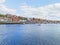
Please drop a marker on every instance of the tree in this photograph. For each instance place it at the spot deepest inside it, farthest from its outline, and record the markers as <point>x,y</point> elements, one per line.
<point>2,15</point>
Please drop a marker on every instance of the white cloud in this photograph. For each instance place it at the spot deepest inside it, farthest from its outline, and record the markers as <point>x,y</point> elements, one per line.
<point>51,11</point>
<point>2,1</point>
<point>5,9</point>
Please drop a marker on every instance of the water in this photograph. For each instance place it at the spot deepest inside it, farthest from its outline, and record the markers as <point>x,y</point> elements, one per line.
<point>30,34</point>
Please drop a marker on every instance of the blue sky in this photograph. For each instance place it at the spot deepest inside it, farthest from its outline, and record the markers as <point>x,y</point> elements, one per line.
<point>34,3</point>
<point>32,8</point>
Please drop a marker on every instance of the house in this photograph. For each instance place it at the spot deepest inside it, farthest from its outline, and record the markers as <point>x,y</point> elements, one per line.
<point>12,18</point>
<point>3,19</point>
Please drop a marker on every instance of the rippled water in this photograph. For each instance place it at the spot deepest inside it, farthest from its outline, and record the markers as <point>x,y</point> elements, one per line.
<point>30,34</point>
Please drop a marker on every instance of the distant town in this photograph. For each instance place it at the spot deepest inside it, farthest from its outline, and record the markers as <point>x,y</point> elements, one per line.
<point>13,19</point>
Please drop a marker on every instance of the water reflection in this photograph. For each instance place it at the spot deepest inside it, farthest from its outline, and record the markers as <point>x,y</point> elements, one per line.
<point>30,34</point>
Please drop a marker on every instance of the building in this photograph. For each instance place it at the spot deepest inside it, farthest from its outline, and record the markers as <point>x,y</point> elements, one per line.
<point>12,18</point>
<point>3,19</point>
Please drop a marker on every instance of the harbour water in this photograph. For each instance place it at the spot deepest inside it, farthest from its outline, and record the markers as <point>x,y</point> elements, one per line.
<point>30,34</point>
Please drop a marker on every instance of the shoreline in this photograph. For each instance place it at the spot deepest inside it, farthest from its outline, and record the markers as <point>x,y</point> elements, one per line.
<point>11,23</point>
<point>25,23</point>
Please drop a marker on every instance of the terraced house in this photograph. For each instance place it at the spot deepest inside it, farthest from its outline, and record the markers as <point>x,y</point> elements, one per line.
<point>12,18</point>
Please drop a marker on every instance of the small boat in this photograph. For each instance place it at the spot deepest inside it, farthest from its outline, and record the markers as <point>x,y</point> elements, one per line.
<point>23,23</point>
<point>39,24</point>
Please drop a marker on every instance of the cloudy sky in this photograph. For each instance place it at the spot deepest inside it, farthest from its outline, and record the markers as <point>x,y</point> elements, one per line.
<point>47,9</point>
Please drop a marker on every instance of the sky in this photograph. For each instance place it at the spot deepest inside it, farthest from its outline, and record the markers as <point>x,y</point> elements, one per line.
<point>47,9</point>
